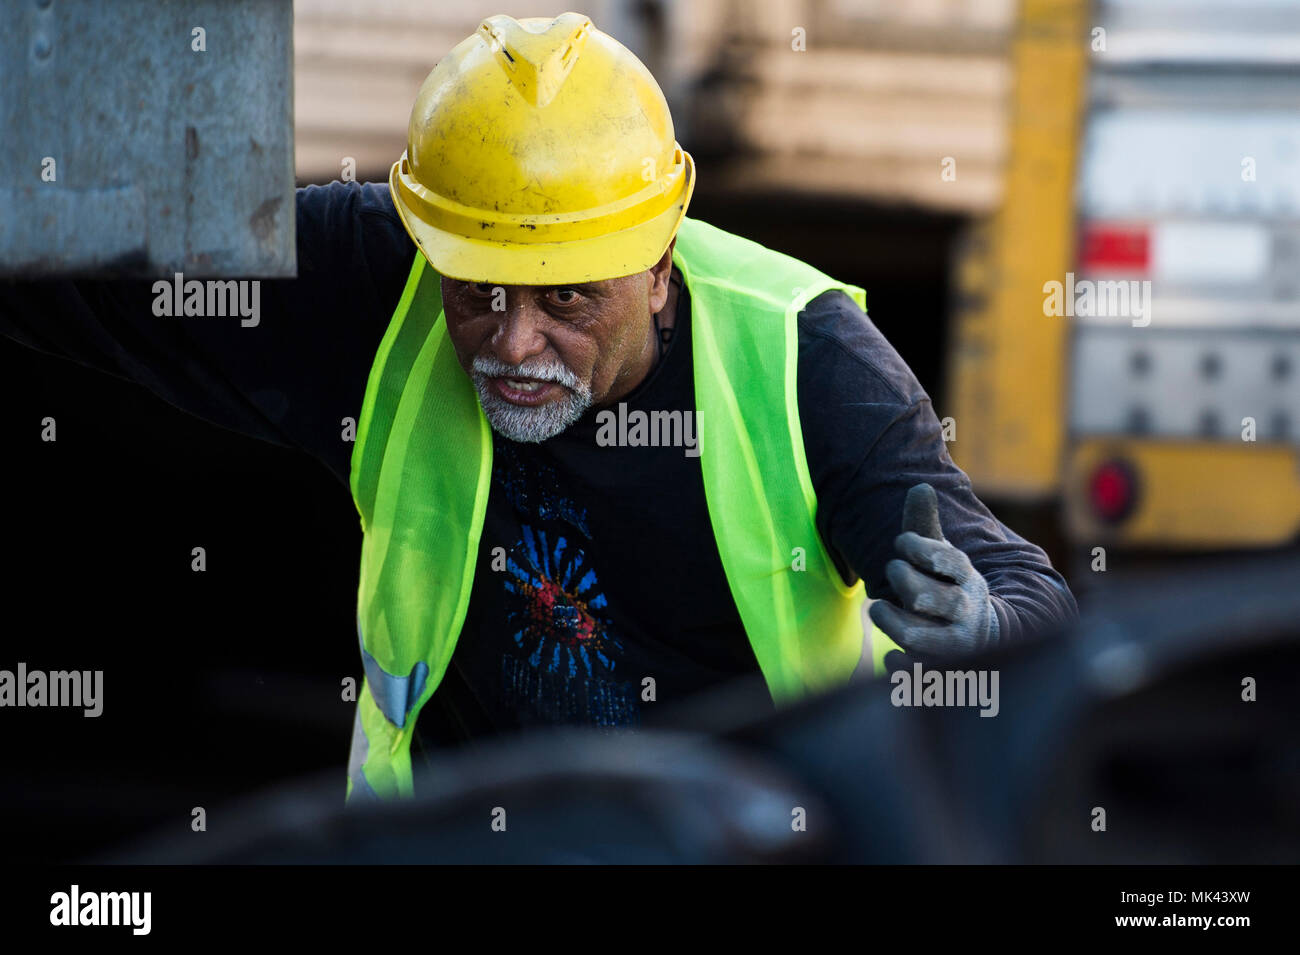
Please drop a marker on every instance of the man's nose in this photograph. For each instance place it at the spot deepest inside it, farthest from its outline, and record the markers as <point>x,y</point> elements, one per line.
<point>519,336</point>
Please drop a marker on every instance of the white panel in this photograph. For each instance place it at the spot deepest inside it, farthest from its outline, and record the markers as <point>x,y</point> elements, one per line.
<point>1158,162</point>
<point>1209,252</point>
<point>1247,32</point>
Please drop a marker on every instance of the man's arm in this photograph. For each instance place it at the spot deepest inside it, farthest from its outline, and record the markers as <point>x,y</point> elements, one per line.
<point>871,435</point>
<point>289,379</point>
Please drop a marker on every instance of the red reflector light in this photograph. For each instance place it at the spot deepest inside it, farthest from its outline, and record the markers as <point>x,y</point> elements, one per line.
<point>1112,491</point>
<point>1104,247</point>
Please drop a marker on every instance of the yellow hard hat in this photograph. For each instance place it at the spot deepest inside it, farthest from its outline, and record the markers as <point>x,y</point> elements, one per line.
<point>541,152</point>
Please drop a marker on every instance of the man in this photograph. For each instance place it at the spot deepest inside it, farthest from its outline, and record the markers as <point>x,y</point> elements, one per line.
<point>607,456</point>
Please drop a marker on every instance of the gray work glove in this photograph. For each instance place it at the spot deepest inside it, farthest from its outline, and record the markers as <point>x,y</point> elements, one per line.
<point>946,609</point>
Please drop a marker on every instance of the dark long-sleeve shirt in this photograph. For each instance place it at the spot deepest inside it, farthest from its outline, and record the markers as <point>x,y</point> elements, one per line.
<point>611,542</point>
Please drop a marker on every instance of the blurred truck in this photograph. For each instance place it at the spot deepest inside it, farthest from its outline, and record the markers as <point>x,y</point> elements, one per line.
<point>1139,360</point>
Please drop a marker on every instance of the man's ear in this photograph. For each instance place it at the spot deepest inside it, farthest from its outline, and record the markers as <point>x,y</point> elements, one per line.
<point>659,274</point>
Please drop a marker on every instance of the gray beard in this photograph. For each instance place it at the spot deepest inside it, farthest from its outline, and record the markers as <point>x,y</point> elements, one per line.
<point>531,425</point>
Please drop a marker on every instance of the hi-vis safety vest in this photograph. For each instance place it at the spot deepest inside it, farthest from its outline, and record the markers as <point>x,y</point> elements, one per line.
<point>423,460</point>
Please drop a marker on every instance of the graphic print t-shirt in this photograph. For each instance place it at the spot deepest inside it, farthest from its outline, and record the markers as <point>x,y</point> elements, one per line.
<point>593,577</point>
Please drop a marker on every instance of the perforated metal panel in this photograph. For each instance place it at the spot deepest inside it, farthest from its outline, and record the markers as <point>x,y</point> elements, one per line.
<point>1185,383</point>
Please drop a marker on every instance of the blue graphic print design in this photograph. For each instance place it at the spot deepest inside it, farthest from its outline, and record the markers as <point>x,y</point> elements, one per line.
<point>557,616</point>
<point>535,492</point>
<point>565,649</point>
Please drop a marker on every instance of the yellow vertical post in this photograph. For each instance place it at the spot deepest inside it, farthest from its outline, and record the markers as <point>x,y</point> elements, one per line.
<point>1007,368</point>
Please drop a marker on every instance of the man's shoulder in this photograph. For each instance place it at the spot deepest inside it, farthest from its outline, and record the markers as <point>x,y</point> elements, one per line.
<point>352,228</point>
<point>743,266</point>
<point>841,351</point>
<point>841,348</point>
<point>352,198</point>
<point>357,212</point>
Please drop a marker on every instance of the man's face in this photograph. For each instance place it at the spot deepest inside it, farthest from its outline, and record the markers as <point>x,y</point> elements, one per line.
<point>541,355</point>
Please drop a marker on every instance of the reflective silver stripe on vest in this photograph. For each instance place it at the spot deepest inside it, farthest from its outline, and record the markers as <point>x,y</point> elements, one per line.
<point>361,788</point>
<point>393,694</point>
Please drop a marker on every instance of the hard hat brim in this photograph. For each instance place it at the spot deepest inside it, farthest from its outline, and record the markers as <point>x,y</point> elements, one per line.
<point>608,256</point>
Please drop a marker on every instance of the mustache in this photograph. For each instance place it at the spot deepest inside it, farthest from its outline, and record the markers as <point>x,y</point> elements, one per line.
<point>533,368</point>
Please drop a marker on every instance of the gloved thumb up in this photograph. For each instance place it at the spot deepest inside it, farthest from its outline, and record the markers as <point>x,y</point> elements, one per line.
<point>941,605</point>
<point>921,512</point>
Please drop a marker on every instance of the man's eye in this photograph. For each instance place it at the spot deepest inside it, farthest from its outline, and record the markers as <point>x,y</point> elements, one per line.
<point>564,296</point>
<point>482,288</point>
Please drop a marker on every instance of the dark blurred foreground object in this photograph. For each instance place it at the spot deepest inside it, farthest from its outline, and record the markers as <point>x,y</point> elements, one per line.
<point>1139,712</point>
<point>563,797</point>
